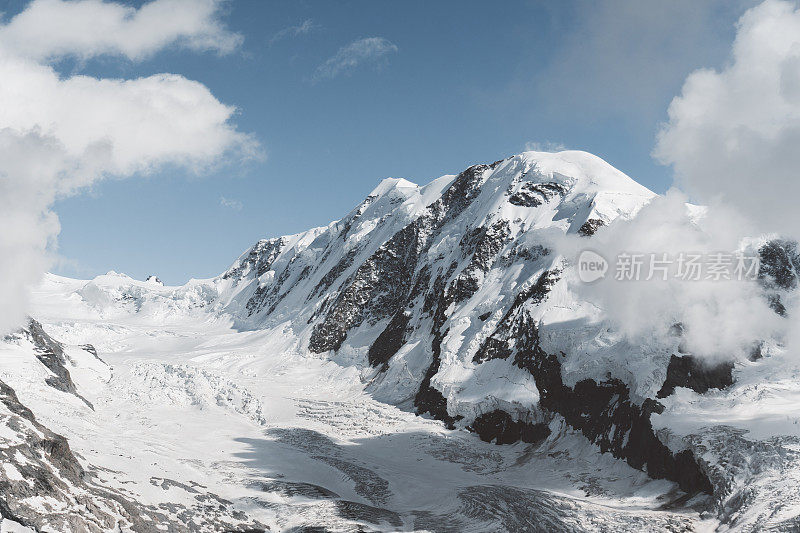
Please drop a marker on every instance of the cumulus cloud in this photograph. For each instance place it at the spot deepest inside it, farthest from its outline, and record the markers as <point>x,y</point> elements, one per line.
<point>293,31</point>
<point>732,138</point>
<point>59,135</point>
<point>49,29</point>
<point>369,50</point>
<point>733,133</point>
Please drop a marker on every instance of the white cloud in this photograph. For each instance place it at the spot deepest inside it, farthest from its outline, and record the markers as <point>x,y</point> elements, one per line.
<point>86,28</point>
<point>734,133</point>
<point>358,52</point>
<point>732,139</point>
<point>293,31</point>
<point>722,319</point>
<point>236,205</point>
<point>546,146</point>
<point>59,135</point>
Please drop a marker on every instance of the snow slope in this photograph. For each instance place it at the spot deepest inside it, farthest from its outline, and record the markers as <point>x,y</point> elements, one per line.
<point>287,389</point>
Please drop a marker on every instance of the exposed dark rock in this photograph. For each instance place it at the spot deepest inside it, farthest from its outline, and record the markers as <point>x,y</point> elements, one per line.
<point>358,213</point>
<point>482,246</point>
<point>499,345</point>
<point>381,286</point>
<point>333,274</point>
<point>483,316</point>
<point>428,399</point>
<point>776,305</point>
<point>687,371</point>
<point>780,264</point>
<point>500,427</point>
<point>259,260</point>
<point>532,194</point>
<point>606,415</point>
<point>51,354</point>
<point>590,227</point>
<point>377,289</point>
<point>269,296</point>
<point>389,341</point>
<point>756,352</point>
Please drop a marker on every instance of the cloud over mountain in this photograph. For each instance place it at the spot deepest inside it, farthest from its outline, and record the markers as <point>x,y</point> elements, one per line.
<point>59,134</point>
<point>733,133</point>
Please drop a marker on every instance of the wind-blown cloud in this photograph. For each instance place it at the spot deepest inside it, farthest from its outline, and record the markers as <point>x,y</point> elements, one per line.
<point>88,28</point>
<point>293,31</point>
<point>734,133</point>
<point>236,205</point>
<point>369,50</point>
<point>59,135</point>
<point>546,146</point>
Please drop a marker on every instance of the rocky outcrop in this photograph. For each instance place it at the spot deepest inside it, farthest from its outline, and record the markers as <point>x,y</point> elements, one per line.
<point>390,340</point>
<point>779,271</point>
<point>590,227</point>
<point>258,260</point>
<point>381,286</point>
<point>687,371</point>
<point>499,427</point>
<point>605,413</point>
<point>780,264</point>
<point>51,354</point>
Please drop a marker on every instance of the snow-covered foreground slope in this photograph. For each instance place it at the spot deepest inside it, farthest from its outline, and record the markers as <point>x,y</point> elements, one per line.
<point>194,413</point>
<point>285,392</point>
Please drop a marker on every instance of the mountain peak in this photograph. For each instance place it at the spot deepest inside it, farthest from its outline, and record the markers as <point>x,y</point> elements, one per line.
<point>592,171</point>
<point>390,184</point>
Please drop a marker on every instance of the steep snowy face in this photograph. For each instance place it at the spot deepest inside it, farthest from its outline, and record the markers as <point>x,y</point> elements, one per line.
<point>429,288</point>
<point>486,212</point>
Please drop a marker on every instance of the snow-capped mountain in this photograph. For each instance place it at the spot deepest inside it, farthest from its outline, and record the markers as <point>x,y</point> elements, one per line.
<point>361,375</point>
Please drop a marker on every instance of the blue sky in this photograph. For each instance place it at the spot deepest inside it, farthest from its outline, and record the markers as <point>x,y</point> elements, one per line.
<point>458,83</point>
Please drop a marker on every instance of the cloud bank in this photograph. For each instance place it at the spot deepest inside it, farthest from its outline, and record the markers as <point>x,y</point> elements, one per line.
<point>59,135</point>
<point>369,50</point>
<point>722,319</point>
<point>732,139</point>
<point>733,134</point>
